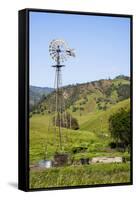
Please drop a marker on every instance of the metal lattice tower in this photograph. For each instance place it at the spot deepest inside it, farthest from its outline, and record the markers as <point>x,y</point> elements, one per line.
<point>59,52</point>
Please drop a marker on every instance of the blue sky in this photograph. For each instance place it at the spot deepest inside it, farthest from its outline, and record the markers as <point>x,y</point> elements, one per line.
<point>102,47</point>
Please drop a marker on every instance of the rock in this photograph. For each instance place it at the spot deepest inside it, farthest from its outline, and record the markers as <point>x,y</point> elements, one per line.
<point>107,160</point>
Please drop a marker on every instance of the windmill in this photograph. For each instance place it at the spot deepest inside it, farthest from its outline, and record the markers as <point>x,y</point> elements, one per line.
<point>59,52</point>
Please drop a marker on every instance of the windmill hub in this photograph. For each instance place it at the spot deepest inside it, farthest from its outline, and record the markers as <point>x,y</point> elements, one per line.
<point>59,50</point>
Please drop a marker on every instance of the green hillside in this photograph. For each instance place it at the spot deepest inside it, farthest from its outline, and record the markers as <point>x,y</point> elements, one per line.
<point>98,122</point>
<point>91,104</point>
<point>89,97</point>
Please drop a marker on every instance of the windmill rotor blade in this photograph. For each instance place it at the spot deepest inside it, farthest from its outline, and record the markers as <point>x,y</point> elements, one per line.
<point>54,56</point>
<point>60,47</point>
<point>52,52</point>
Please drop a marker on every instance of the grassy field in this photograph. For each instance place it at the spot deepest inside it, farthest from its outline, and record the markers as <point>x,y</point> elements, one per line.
<point>93,136</point>
<point>80,175</point>
<point>99,120</point>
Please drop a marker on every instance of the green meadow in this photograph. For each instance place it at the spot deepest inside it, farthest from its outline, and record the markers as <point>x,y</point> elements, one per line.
<point>92,109</point>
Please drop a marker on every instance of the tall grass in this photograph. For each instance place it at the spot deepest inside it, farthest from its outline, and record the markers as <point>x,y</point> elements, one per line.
<point>80,175</point>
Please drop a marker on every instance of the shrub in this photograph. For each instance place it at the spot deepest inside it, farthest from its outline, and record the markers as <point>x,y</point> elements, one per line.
<point>123,91</point>
<point>74,109</point>
<point>112,145</point>
<point>119,126</point>
<point>66,120</point>
<point>78,149</point>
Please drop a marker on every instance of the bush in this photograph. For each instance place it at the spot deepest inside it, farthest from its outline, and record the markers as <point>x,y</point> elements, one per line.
<point>81,108</point>
<point>38,112</point>
<point>79,149</point>
<point>66,120</point>
<point>119,126</point>
<point>126,158</point>
<point>123,91</point>
<point>34,112</point>
<point>112,145</point>
<point>74,109</point>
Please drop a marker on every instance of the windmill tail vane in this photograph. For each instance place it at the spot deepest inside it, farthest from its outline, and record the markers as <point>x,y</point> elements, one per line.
<point>71,52</point>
